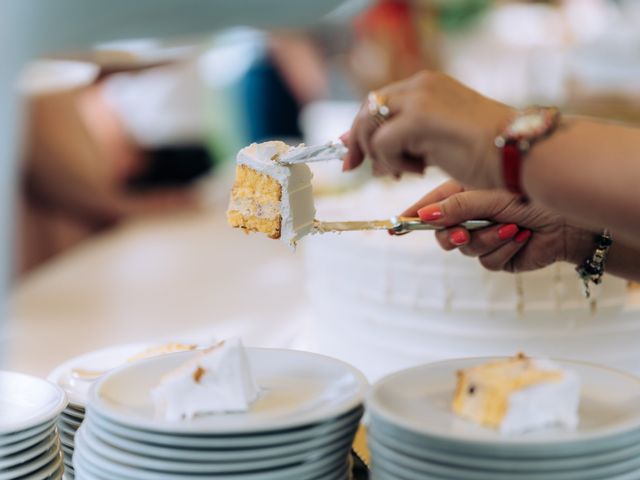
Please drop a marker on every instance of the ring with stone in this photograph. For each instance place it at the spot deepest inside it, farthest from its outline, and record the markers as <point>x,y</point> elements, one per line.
<point>377,107</point>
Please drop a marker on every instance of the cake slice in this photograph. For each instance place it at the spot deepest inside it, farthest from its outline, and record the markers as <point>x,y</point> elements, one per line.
<point>218,380</point>
<point>518,394</point>
<point>269,197</point>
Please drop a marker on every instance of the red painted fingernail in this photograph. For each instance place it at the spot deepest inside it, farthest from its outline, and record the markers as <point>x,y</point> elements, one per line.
<point>508,231</point>
<point>459,237</point>
<point>344,138</point>
<point>523,236</point>
<point>430,213</point>
<point>346,163</point>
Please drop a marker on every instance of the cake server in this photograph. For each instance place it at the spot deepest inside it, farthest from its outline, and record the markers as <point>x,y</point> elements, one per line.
<point>397,225</point>
<point>314,153</point>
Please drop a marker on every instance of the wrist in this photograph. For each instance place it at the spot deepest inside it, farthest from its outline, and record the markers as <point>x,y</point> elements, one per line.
<point>578,244</point>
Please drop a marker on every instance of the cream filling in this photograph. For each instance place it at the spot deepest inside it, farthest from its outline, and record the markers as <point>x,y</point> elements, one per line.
<point>249,207</point>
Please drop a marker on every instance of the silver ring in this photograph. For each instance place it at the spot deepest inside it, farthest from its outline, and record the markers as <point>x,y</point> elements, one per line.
<point>377,107</point>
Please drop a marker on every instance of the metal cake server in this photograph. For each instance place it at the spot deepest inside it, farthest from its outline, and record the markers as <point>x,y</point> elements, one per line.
<point>314,153</point>
<point>397,225</point>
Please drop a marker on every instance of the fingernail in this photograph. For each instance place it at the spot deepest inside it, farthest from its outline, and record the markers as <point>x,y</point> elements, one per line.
<point>523,236</point>
<point>345,136</point>
<point>508,231</point>
<point>430,213</point>
<point>459,237</point>
<point>346,163</point>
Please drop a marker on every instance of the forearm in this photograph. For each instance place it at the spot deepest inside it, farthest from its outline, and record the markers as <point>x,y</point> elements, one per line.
<point>589,172</point>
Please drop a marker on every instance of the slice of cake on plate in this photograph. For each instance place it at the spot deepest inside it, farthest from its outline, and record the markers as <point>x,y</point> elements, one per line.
<point>518,394</point>
<point>270,197</point>
<point>217,380</point>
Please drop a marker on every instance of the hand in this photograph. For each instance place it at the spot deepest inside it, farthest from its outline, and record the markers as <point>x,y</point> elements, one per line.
<point>525,237</point>
<point>434,120</point>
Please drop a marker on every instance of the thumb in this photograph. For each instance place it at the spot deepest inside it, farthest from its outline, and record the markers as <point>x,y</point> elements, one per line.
<point>438,194</point>
<point>470,205</point>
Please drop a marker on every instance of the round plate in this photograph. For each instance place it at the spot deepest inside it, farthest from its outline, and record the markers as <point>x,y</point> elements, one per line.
<point>86,460</point>
<point>424,469</point>
<point>27,402</point>
<point>71,421</point>
<point>16,437</point>
<point>99,360</point>
<point>33,465</point>
<point>418,400</point>
<point>269,439</point>
<point>297,388</point>
<point>71,412</point>
<point>26,455</point>
<point>13,448</point>
<point>227,466</point>
<point>219,455</point>
<point>67,440</point>
<point>390,439</point>
<point>52,470</point>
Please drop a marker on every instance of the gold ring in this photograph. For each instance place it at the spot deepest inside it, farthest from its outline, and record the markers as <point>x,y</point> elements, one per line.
<point>377,107</point>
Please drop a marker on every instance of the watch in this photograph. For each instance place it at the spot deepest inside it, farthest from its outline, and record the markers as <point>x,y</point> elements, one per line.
<point>527,127</point>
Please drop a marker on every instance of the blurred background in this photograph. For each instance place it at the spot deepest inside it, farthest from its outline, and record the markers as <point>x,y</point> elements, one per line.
<point>129,151</point>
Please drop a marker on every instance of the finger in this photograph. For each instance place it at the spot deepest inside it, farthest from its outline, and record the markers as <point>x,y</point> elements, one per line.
<point>468,205</point>
<point>438,194</point>
<point>364,124</point>
<point>500,258</point>
<point>388,145</point>
<point>453,238</point>
<point>487,240</point>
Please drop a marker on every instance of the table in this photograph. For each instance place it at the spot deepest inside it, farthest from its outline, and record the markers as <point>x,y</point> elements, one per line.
<point>179,277</point>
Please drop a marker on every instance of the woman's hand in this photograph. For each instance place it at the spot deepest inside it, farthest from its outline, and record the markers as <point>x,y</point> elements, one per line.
<point>433,120</point>
<point>525,237</point>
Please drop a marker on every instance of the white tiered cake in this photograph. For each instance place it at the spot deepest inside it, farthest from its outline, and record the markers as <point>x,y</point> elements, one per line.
<point>383,303</point>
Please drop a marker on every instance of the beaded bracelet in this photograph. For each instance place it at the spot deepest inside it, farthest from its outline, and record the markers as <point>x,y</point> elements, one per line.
<point>592,269</point>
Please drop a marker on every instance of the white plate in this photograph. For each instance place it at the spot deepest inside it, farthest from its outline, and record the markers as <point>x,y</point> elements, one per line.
<point>69,420</point>
<point>33,465</point>
<point>430,453</point>
<point>12,438</point>
<point>26,455</point>
<point>225,454</point>
<point>74,413</point>
<point>418,400</point>
<point>27,402</point>
<point>228,466</point>
<point>66,440</point>
<point>86,459</point>
<point>13,448</point>
<point>297,388</point>
<point>423,469</point>
<point>52,470</point>
<point>99,360</point>
<point>269,439</point>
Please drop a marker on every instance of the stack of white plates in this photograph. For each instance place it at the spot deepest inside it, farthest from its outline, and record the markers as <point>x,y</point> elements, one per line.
<point>301,426</point>
<point>413,433</point>
<point>76,376</point>
<point>29,444</point>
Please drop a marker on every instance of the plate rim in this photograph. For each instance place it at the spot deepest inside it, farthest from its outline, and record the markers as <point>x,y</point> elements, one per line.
<point>51,413</point>
<point>507,441</point>
<point>358,398</point>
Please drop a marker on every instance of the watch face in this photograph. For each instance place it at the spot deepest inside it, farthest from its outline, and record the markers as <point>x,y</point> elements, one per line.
<point>528,124</point>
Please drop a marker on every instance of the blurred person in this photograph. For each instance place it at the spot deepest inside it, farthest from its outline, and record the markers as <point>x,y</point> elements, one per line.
<point>551,183</point>
<point>83,171</point>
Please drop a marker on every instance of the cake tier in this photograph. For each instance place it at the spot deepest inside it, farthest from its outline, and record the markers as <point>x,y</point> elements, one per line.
<point>384,303</point>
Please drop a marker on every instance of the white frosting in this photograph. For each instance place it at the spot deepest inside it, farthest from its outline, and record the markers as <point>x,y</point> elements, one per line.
<point>296,208</point>
<point>544,405</point>
<point>218,380</point>
<point>384,303</point>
